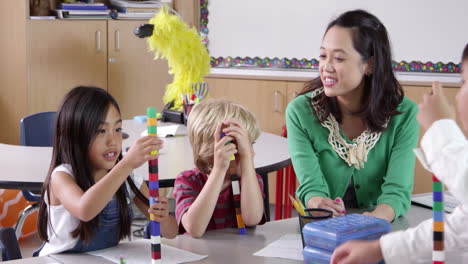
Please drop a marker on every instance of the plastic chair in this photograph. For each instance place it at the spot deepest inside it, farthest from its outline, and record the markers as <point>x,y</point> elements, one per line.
<point>35,130</point>
<point>283,205</point>
<point>8,244</point>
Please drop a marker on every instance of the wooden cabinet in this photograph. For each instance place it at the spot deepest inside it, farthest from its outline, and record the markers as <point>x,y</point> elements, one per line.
<point>64,54</point>
<point>106,54</point>
<point>135,79</point>
<point>266,99</point>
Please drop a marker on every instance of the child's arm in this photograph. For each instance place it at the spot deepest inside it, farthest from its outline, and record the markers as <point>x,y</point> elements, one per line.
<point>251,194</point>
<point>444,144</point>
<point>86,205</point>
<point>160,210</point>
<point>196,218</point>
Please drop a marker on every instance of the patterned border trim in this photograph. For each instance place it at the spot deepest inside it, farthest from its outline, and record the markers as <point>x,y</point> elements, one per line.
<point>247,62</point>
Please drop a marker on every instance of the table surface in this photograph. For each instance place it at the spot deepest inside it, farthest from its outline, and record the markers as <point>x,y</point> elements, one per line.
<point>227,246</point>
<point>26,167</point>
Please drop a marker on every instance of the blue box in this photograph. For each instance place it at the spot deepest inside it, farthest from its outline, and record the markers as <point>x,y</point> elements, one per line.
<point>330,233</point>
<point>316,256</point>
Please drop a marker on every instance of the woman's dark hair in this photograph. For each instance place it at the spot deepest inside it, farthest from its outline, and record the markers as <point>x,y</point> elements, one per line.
<point>465,53</point>
<point>77,122</point>
<point>382,93</point>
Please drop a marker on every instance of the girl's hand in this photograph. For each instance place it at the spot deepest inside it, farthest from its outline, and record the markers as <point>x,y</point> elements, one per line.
<point>139,152</point>
<point>357,251</point>
<point>222,150</point>
<point>336,206</point>
<point>434,107</point>
<point>235,130</point>
<point>160,210</point>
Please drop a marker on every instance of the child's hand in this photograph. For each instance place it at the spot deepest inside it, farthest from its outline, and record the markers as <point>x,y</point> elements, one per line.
<point>336,206</point>
<point>222,150</point>
<point>434,107</point>
<point>235,130</point>
<point>139,152</point>
<point>160,210</point>
<point>358,251</point>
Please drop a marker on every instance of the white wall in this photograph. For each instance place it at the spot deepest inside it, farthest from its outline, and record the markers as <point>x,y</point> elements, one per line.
<point>420,30</point>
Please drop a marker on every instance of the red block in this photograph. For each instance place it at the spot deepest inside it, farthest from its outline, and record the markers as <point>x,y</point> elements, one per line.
<point>154,192</point>
<point>156,255</point>
<point>153,177</point>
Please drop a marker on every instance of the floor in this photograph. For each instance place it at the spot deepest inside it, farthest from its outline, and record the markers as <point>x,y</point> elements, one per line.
<point>30,244</point>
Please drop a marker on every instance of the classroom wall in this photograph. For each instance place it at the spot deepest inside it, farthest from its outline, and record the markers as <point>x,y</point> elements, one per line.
<point>420,30</point>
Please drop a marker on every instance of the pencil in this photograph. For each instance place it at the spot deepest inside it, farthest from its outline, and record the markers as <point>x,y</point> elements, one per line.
<point>298,205</point>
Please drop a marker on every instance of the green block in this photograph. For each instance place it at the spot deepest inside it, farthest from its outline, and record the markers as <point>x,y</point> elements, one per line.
<point>438,206</point>
<point>151,112</point>
<point>152,130</point>
<point>437,187</point>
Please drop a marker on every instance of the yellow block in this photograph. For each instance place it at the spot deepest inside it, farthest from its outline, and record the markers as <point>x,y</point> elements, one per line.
<point>439,226</point>
<point>151,121</point>
<point>240,222</point>
<point>154,152</point>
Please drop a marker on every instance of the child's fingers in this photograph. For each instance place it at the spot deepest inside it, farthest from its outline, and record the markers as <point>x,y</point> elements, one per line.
<point>437,88</point>
<point>218,130</point>
<point>161,199</point>
<point>225,140</point>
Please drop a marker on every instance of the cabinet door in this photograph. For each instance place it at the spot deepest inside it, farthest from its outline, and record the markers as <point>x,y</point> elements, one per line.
<point>294,88</point>
<point>64,54</point>
<point>135,79</point>
<point>266,99</point>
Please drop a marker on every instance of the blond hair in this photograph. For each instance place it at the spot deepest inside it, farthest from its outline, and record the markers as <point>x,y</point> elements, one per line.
<point>202,123</point>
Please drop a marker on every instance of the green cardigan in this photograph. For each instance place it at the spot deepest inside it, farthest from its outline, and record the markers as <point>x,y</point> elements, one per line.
<point>387,176</point>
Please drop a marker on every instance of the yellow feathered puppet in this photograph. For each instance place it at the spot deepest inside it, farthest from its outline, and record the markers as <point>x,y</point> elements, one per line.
<point>187,57</point>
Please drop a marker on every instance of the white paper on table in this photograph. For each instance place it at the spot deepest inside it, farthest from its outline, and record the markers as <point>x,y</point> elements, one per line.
<point>168,131</point>
<point>288,246</point>
<point>139,251</point>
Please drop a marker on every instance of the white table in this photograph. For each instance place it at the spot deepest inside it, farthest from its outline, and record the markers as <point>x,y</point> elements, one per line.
<point>25,168</point>
<point>227,246</point>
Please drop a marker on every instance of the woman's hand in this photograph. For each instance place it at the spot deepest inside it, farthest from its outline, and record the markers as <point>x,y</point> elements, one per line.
<point>335,206</point>
<point>357,251</point>
<point>222,150</point>
<point>434,107</point>
<point>160,210</point>
<point>139,152</point>
<point>383,211</point>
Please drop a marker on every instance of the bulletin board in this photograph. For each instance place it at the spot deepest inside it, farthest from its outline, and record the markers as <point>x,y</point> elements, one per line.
<point>426,35</point>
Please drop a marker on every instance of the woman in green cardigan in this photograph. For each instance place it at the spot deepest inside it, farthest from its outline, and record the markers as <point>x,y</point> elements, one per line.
<point>351,131</point>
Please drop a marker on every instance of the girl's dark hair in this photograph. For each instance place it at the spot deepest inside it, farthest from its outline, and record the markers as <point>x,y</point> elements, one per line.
<point>382,93</point>
<point>77,122</point>
<point>465,54</point>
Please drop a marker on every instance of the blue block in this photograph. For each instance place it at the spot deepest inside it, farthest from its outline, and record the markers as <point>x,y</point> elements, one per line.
<point>152,200</point>
<point>154,185</point>
<point>437,196</point>
<point>438,216</point>
<point>155,228</point>
<point>242,231</point>
<point>140,118</point>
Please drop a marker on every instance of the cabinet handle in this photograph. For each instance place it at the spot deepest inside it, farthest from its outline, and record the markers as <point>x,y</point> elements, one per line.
<point>276,101</point>
<point>98,41</point>
<point>117,40</point>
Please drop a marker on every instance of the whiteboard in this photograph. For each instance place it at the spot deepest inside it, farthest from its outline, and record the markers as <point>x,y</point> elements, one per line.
<point>419,30</point>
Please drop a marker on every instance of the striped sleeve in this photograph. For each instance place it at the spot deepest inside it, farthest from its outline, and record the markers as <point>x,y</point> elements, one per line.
<point>185,192</point>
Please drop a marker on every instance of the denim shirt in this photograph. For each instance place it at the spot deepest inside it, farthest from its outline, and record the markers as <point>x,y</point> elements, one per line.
<point>106,233</point>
